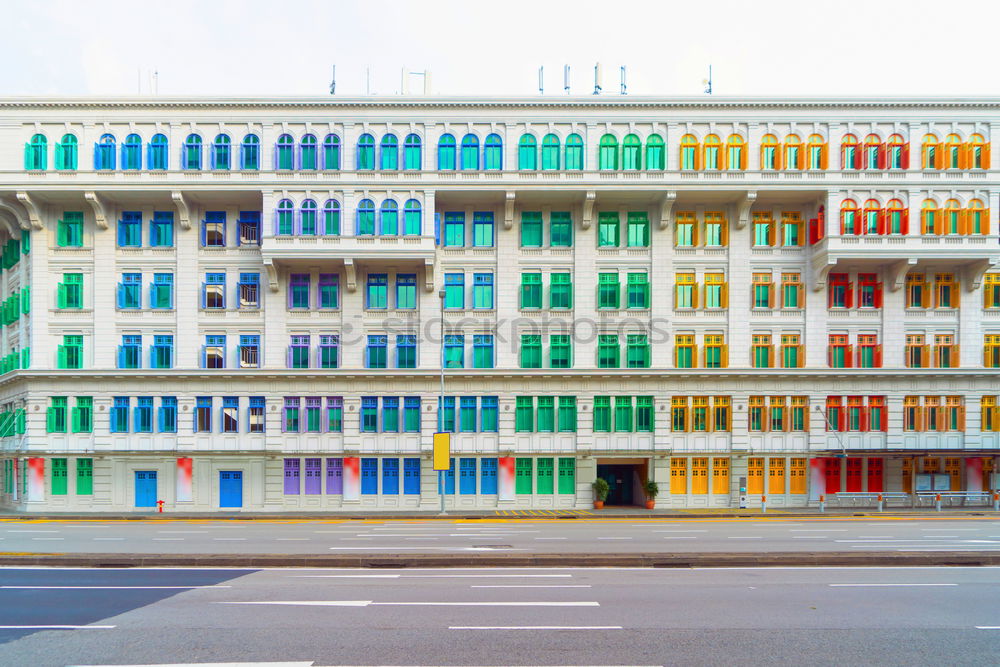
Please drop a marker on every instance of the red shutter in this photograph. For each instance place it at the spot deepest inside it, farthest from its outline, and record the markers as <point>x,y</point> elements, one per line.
<point>878,295</point>
<point>884,426</point>
<point>829,356</point>
<point>864,418</point>
<point>904,222</point>
<point>905,157</point>
<point>842,418</point>
<point>843,157</point>
<point>882,156</point>
<point>877,361</point>
<point>858,150</point>
<point>849,296</point>
<point>880,223</point>
<point>848,356</point>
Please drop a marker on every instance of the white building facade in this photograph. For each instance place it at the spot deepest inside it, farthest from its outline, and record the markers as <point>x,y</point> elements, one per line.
<point>233,304</point>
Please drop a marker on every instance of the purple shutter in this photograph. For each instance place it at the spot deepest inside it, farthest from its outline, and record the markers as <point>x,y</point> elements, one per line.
<point>314,480</point>
<point>291,477</point>
<point>335,476</point>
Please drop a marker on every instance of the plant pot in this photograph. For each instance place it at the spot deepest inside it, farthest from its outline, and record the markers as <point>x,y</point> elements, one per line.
<point>598,504</point>
<point>650,504</point>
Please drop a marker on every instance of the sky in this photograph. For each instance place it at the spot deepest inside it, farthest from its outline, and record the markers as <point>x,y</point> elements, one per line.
<point>473,47</point>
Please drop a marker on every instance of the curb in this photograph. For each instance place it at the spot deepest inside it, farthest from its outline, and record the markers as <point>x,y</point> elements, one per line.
<point>640,560</point>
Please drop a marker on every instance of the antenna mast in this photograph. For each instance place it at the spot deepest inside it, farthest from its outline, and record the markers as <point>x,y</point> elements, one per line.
<point>541,80</point>
<point>566,78</point>
<point>597,79</point>
<point>624,87</point>
<point>708,82</point>
<point>333,81</point>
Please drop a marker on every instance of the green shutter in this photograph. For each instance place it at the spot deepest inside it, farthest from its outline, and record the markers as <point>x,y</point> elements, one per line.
<point>544,481</point>
<point>61,296</point>
<point>26,300</point>
<point>567,414</point>
<point>567,475</point>
<point>522,475</point>
<point>84,477</point>
<point>21,426</point>
<point>61,357</point>
<point>58,477</point>
<point>524,416</point>
<point>26,357</point>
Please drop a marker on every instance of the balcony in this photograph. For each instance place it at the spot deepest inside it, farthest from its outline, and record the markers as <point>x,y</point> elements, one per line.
<point>971,256</point>
<point>347,251</point>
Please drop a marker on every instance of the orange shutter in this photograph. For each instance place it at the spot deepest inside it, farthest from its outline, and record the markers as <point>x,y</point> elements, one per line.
<point>986,156</point>
<point>824,156</point>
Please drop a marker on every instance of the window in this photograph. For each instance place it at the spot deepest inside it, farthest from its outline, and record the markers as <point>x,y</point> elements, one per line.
<point>685,229</point>
<point>869,351</point>
<point>213,229</point>
<point>377,292</point>
<point>328,351</point>
<point>763,230</point>
<point>716,291</point>
<point>977,218</point>
<point>550,152</point>
<point>70,291</point>
<point>412,218</point>
<point>816,153</point>
<point>55,415</point>
<point>791,229</point>
<point>214,352</point>
<point>482,351</point>
<point>131,153</point>
<point>143,415</point>
<point>482,291</point>
<point>454,230</point>
<point>991,351</point>
<point>850,152</point>
<point>712,152</point>
<point>736,153</point>
<point>221,153</point>
<point>493,153</point>
<point>118,422</point>
<point>454,291</point>
<point>655,153</point>
<point>638,230</point>
<point>298,352</point>
<point>161,354</point>
<point>314,412</point>
<point>527,153</point>
<point>607,229</point>
<point>953,158</point>
<point>406,351</point>
<point>560,351</point>
<point>470,153</point>
<point>637,351</point>
<point>531,230</point>
<point>389,153</point>
<point>690,155</point>
<point>685,352</point>
<point>946,293</point>
<point>365,157</point>
<point>602,414</point>
<point>162,291</point>
<point>130,291</point>
<point>66,153</point>
<point>284,218</point>
<point>716,230</point>
<point>307,218</point>
<point>446,417</point>
<point>249,290</point>
<point>192,153</point>
<point>991,290</point>
<point>214,291</point>
<point>376,353</point>
<point>930,218</point>
<point>524,414</point>
<point>608,291</point>
<point>637,291</point>
<point>104,153</point>
<point>608,351</point>
<point>761,351</point>
<point>446,153</point>
<point>945,351</point>
<point>406,291</point>
<point>763,290</point>
<point>130,352</point>
<point>531,290</point>
<point>574,152</point>
<point>290,415</point>
<point>874,156</point>
<point>69,230</point>
<point>839,351</point>
<point>335,414</point>
<point>531,351</point>
<point>161,229</point>
<point>249,153</point>
<point>561,290</point>
<point>792,355</point>
<point>918,293</point>
<point>869,291</point>
<point>167,415</point>
<point>953,218</point>
<point>389,218</point>
<point>623,414</point>
<point>685,291</point>
<point>770,152</point>
<point>331,152</point>
<point>482,229</point>
<point>840,290</point>
<point>567,414</point>
<point>916,353</point>
<point>390,414</point>
<point>631,153</point>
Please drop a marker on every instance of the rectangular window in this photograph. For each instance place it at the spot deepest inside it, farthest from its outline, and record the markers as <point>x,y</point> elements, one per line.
<point>489,414</point>
<point>119,414</point>
<point>561,290</point>
<point>716,229</point>
<point>869,291</point>
<point>762,290</point>
<point>446,415</point>
<point>791,229</point>
<point>685,352</point>
<point>482,229</point>
<point>560,351</point>
<point>454,230</point>
<point>249,290</point>
<point>376,352</point>
<point>467,414</point>
<point>918,293</point>
<point>70,291</point>
<point>167,417</point>
<point>454,351</point>
<point>213,295</point>
<point>390,414</point>
<point>607,229</point>
<point>406,291</point>
<point>567,414</point>
<point>686,230</point>
<point>55,416</point>
<point>69,355</point>
<point>602,414</point>
<point>411,414</point>
<point>945,351</point>
<point>69,230</point>
<point>130,291</point>
<point>685,290</point>
<point>524,414</point>
<point>482,291</point>
<point>791,290</point>
<point>482,351</point>
<point>143,417</point>
<point>679,414</point>
<point>945,290</point>
<point>248,228</point>
<point>298,291</point>
<point>290,414</point>
<point>162,291</point>
<point>623,414</point>
<point>531,351</point>
<point>761,351</point>
<point>638,230</point>
<point>406,351</point>
<point>130,352</point>
<point>531,230</point>
<point>255,415</point>
<point>334,414</point>
<point>377,292</point>
<point>249,351</point>
<point>637,291</point>
<point>991,290</point>
<point>637,351</point>
<point>161,229</point>
<point>454,291</point>
<point>561,229</point>
<point>531,290</point>
<point>763,230</point>
<point>608,351</point>
<point>83,415</point>
<point>130,230</point>
<point>791,351</point>
<point>161,354</point>
<point>608,291</point>
<point>716,294</point>
<point>298,352</point>
<point>213,229</point>
<point>203,414</point>
<point>916,353</point>
<point>214,352</point>
<point>644,414</point>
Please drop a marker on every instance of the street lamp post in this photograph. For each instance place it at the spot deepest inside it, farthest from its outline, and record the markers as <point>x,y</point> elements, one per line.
<point>441,489</point>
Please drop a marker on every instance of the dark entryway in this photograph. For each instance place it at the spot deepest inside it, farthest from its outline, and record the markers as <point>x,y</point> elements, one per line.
<point>622,481</point>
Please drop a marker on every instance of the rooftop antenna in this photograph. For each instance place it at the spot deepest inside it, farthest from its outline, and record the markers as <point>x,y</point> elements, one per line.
<point>597,79</point>
<point>624,87</point>
<point>566,78</point>
<point>333,81</point>
<point>368,80</point>
<point>541,80</point>
<point>404,83</point>
<point>708,82</point>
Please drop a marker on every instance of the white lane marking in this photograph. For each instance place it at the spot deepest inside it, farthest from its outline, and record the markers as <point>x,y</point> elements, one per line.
<point>229,539</point>
<point>810,537</point>
<point>109,538</point>
<point>530,586</point>
<point>551,538</point>
<point>435,576</point>
<point>455,548</point>
<point>679,537</point>
<point>109,588</point>
<point>345,576</point>
<point>419,538</point>
<point>57,627</point>
<point>930,530</point>
<point>681,531</point>
<point>48,538</point>
<point>988,627</point>
<point>817,530</point>
<point>883,585</point>
<point>168,539</point>
<point>15,530</point>
<point>877,537</point>
<point>218,664</point>
<point>614,538</point>
<point>744,537</point>
<point>292,539</point>
<point>534,627</point>
<point>370,603</point>
<point>179,532</point>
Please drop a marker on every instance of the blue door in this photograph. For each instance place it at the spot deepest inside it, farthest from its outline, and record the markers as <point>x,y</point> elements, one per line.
<point>230,488</point>
<point>145,488</point>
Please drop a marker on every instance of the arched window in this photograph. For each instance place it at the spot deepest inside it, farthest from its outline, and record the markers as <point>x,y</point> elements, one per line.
<point>794,157</point>
<point>607,153</point>
<point>897,153</point>
<point>977,218</point>
<point>132,152</point>
<point>690,158</point>
<point>527,153</point>
<point>930,218</point>
<point>366,218</point>
<point>770,153</point>
<point>871,218</point>
<point>284,153</point>
<point>849,217</point>
<point>284,218</point>
<point>953,152</point>
<point>192,152</point>
<point>389,218</point>
<point>736,152</point>
<point>874,155</point>
<point>222,152</point>
<point>250,153</point>
<point>66,153</point>
<point>307,218</point>
<point>656,157</point>
<point>366,153</point>
<point>104,152</point>
<point>446,153</point>
<point>631,153</point>
<point>389,149</point>
<point>412,222</point>
<point>897,218</point>
<point>36,152</point>
<point>308,159</point>
<point>931,155</point>
<point>331,218</point>
<point>411,153</point>
<point>331,152</point>
<point>850,152</point>
<point>712,149</point>
<point>550,152</point>
<point>953,217</point>
<point>493,153</point>
<point>574,152</point>
<point>470,152</point>
<point>157,154</point>
<point>978,153</point>
<point>816,152</point>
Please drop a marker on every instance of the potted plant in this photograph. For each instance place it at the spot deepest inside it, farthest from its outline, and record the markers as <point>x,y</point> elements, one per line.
<point>601,490</point>
<point>651,489</point>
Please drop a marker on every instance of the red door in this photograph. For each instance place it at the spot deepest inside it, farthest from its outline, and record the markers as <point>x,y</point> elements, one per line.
<point>853,475</point>
<point>875,476</point>
<point>833,475</point>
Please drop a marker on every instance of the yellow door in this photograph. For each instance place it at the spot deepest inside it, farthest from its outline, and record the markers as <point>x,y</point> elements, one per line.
<point>755,476</point>
<point>776,476</point>
<point>678,476</point>
<point>699,475</point>
<point>720,476</point>
<point>797,476</point>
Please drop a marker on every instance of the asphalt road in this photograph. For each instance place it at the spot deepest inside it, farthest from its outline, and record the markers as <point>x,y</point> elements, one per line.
<point>500,535</point>
<point>794,616</point>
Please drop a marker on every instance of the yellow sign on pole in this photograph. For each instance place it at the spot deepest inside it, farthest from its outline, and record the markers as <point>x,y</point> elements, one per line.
<point>442,451</point>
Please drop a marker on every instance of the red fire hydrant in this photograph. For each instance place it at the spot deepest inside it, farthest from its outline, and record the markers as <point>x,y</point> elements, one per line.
<point>159,503</point>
